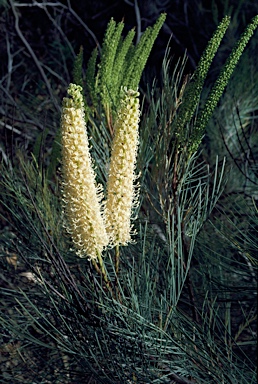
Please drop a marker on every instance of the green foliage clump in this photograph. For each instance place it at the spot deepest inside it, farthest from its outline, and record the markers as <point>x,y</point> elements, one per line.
<point>121,65</point>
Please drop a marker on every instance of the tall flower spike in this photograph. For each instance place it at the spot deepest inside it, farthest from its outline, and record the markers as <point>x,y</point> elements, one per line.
<point>222,81</point>
<point>81,196</point>
<point>121,194</point>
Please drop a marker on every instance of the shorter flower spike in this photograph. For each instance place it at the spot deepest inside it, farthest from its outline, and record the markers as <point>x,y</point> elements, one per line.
<point>222,81</point>
<point>121,194</point>
<point>81,196</point>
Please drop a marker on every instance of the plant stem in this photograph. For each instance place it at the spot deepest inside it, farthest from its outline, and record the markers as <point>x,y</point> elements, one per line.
<point>101,269</point>
<point>117,259</point>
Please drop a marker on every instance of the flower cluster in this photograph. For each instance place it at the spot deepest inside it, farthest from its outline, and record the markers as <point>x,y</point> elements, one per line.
<point>121,196</point>
<point>81,196</point>
<point>91,226</point>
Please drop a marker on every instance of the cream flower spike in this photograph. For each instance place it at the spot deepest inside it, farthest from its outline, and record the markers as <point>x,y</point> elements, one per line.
<point>81,196</point>
<point>121,194</point>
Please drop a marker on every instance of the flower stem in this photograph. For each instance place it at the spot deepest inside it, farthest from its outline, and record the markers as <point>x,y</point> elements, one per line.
<point>102,270</point>
<point>117,259</point>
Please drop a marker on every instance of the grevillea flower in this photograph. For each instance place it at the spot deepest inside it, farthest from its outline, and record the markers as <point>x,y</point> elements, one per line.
<point>81,196</point>
<point>121,193</point>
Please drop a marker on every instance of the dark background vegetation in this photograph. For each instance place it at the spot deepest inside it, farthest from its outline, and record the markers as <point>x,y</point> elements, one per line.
<point>40,42</point>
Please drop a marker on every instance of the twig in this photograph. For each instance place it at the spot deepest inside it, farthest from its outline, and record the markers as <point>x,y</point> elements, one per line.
<point>7,126</point>
<point>16,120</point>
<point>60,31</point>
<point>4,155</point>
<point>138,20</point>
<point>105,11</point>
<point>10,63</point>
<point>83,24</point>
<point>34,57</point>
<point>35,3</point>
<point>58,4</point>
